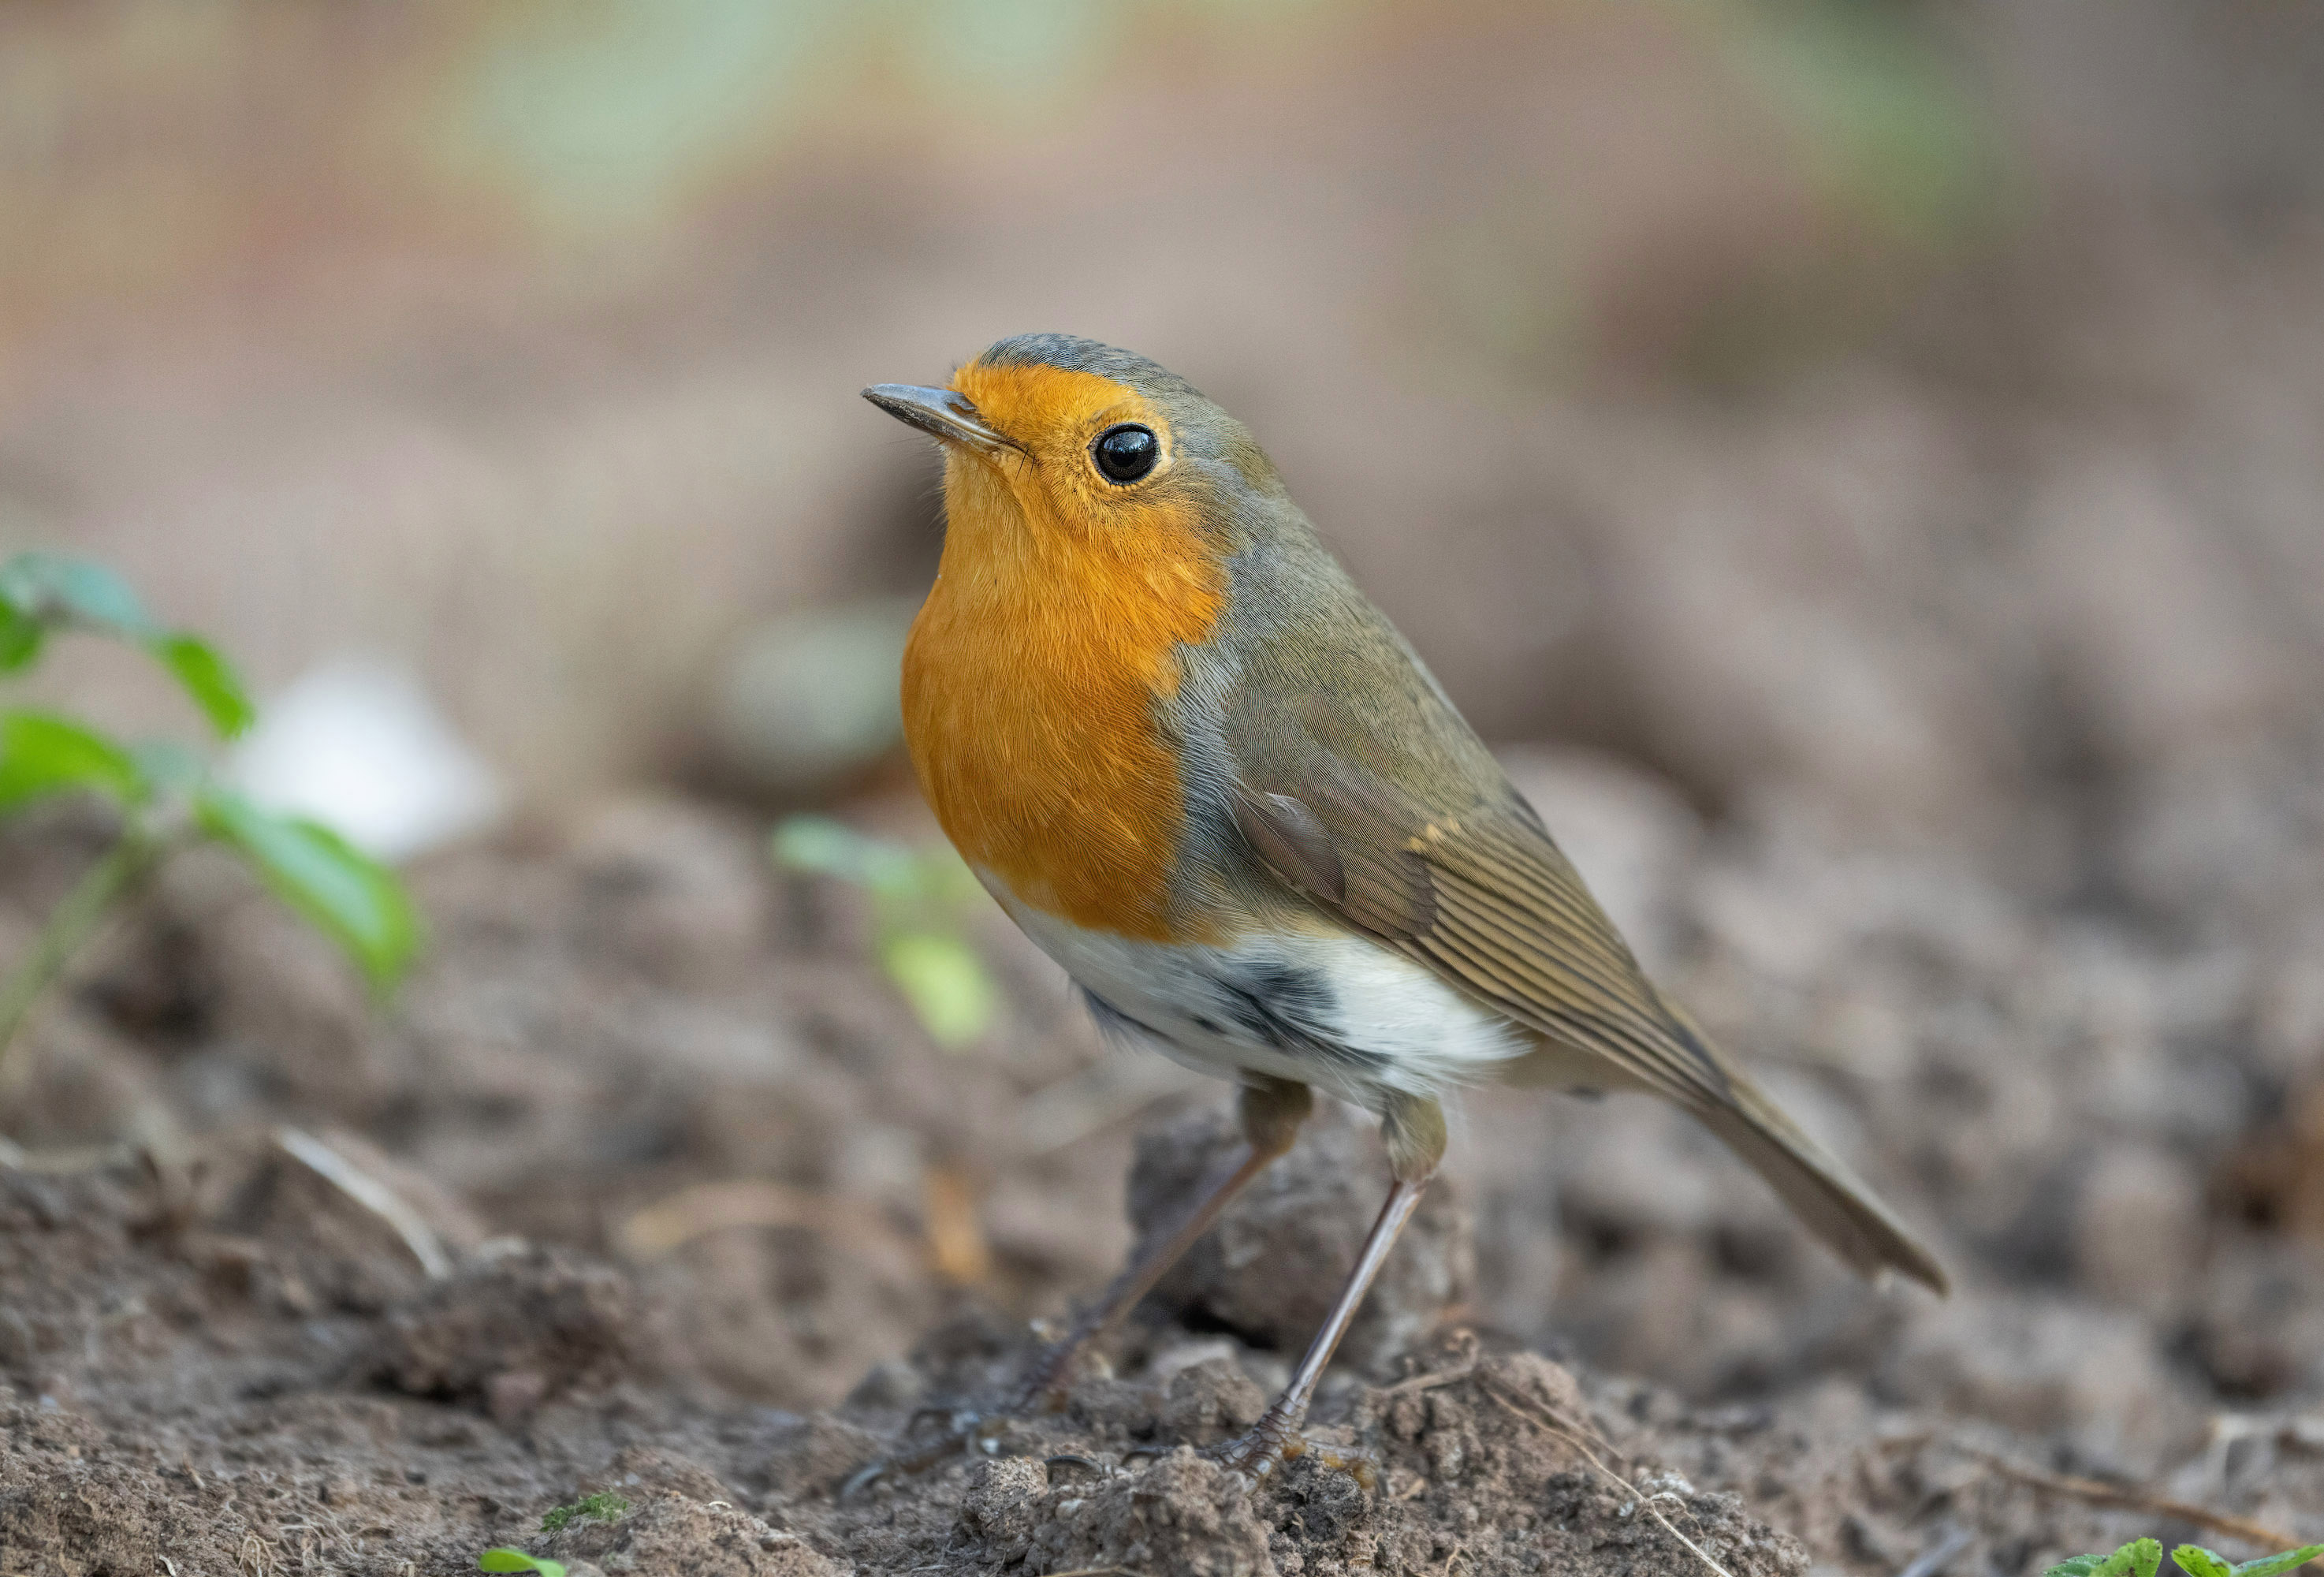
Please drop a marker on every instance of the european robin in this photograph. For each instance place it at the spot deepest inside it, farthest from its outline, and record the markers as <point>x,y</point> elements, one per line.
<point>1200,770</point>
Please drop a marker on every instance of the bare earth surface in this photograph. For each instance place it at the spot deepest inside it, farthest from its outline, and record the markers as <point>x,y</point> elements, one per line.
<point>713,1221</point>
<point>1956,661</point>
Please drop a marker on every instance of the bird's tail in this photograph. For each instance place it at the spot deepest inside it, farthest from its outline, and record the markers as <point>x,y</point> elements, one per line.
<point>1836,1204</point>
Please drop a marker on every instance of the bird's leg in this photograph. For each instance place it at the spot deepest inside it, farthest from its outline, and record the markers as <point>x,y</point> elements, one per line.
<point>1271,1111</point>
<point>1414,1128</point>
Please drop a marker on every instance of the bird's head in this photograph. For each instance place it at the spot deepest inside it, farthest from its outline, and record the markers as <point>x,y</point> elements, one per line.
<point>1054,443</point>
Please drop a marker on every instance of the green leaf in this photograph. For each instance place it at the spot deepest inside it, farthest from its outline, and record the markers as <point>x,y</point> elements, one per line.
<point>820,846</point>
<point>2197,1561</point>
<point>504,1559</point>
<point>21,636</point>
<point>50,587</point>
<point>42,754</point>
<point>347,894</point>
<point>2138,1558</point>
<point>2267,1566</point>
<point>209,679</point>
<point>38,590</point>
<point>945,982</point>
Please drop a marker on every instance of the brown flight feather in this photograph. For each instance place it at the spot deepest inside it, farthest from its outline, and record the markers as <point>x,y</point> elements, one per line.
<point>1458,872</point>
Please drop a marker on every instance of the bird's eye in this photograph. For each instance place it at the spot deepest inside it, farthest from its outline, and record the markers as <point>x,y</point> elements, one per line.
<point>1128,452</point>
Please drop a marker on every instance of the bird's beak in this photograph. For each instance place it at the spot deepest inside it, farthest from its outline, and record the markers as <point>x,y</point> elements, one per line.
<point>942,412</point>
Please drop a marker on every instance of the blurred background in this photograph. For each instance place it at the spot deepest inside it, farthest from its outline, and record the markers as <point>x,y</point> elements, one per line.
<point>1910,403</point>
<point>1865,460</point>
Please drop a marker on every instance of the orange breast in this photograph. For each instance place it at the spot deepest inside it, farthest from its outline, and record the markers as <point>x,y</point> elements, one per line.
<point>1029,686</point>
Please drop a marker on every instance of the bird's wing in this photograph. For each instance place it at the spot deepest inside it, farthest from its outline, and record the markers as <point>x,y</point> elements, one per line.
<point>1352,779</point>
<point>1480,894</point>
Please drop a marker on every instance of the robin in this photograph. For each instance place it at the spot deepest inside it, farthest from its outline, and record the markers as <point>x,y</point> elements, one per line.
<point>1205,775</point>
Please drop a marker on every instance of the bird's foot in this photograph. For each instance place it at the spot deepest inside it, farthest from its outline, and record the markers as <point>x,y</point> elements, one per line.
<point>1254,1456</point>
<point>973,1431</point>
<point>965,1431</point>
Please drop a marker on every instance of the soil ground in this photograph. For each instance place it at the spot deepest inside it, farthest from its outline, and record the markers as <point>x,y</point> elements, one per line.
<point>712,1221</point>
<point>1975,665</point>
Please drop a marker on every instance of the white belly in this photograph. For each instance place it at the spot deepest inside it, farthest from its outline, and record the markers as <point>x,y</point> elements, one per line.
<point>1341,1013</point>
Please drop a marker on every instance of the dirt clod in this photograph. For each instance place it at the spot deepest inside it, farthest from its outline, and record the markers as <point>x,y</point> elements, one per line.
<point>510,1329</point>
<point>998,1515</point>
<point>1178,1514</point>
<point>1213,1400</point>
<point>674,1534</point>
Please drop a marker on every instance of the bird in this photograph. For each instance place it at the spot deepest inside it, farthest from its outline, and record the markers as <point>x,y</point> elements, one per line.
<point>1203,773</point>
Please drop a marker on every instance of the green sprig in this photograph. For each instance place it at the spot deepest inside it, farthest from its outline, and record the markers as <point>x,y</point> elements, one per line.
<point>165,794</point>
<point>42,592</point>
<point>918,898</point>
<point>2143,1558</point>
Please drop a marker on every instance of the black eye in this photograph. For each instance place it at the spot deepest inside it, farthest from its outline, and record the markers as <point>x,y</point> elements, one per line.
<point>1127,452</point>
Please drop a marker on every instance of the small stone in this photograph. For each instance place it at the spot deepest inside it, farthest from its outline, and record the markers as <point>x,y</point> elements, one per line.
<point>512,1395</point>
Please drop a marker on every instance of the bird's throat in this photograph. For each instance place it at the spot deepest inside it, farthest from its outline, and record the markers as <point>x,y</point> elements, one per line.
<point>1032,686</point>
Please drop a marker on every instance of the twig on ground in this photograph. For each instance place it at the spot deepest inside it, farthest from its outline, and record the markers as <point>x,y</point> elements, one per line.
<point>1429,1382</point>
<point>1951,1539</point>
<point>701,1208</point>
<point>372,1194</point>
<point>2126,1498</point>
<point>1546,1419</point>
<point>66,1161</point>
<point>1466,1352</point>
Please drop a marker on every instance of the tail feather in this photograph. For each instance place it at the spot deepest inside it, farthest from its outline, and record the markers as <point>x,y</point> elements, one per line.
<point>1833,1202</point>
<point>1830,1199</point>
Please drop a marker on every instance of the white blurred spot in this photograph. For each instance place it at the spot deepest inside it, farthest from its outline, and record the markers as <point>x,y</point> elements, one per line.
<point>357,744</point>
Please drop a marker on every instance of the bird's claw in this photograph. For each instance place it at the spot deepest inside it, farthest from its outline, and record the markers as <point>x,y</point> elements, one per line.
<point>1254,1456</point>
<point>967,1433</point>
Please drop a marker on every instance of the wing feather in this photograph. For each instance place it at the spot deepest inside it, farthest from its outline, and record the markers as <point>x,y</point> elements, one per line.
<point>1351,780</point>
<point>1489,901</point>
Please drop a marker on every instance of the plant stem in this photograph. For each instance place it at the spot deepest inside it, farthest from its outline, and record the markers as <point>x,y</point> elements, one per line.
<point>70,925</point>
